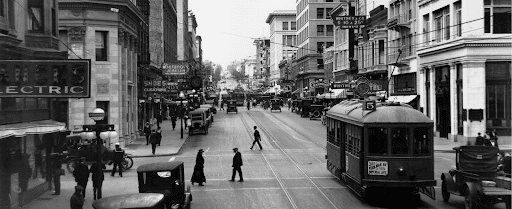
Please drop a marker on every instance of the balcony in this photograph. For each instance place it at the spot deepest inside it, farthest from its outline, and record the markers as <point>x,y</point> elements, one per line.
<point>400,21</point>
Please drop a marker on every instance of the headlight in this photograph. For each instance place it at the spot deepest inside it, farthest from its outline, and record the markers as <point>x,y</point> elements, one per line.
<point>401,171</point>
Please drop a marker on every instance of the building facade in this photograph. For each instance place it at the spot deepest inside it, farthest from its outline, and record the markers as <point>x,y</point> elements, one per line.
<point>283,40</point>
<point>263,60</point>
<point>111,43</point>
<point>315,32</point>
<point>464,66</point>
<point>30,127</point>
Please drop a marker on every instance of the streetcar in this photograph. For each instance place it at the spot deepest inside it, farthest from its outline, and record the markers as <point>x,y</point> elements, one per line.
<point>239,97</point>
<point>377,147</point>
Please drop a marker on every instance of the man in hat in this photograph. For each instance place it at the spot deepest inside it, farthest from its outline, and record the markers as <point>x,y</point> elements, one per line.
<point>56,167</point>
<point>117,160</point>
<point>77,200</point>
<point>237,165</point>
<point>257,138</point>
<point>97,179</point>
<point>81,174</point>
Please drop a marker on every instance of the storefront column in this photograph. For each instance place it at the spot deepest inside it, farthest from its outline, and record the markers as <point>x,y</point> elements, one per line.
<point>453,103</point>
<point>473,84</point>
<point>432,102</point>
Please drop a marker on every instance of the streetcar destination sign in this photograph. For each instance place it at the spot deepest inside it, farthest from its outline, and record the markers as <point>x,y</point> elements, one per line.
<point>378,168</point>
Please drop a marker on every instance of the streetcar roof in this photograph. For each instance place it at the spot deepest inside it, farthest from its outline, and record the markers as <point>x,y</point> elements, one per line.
<point>352,110</point>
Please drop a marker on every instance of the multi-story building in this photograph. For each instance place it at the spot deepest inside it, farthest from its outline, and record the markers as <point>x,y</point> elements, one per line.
<point>402,57</point>
<point>251,69</point>
<point>162,49</point>
<point>465,65</point>
<point>315,31</point>
<point>345,42</point>
<point>371,50</point>
<point>184,40</point>
<point>263,61</point>
<point>111,43</point>
<point>29,130</point>
<point>283,41</point>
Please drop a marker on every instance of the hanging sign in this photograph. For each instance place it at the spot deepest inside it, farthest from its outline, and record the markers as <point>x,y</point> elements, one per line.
<point>349,22</point>
<point>176,68</point>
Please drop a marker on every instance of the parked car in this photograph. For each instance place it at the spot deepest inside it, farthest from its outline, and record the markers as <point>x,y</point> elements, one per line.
<point>198,121</point>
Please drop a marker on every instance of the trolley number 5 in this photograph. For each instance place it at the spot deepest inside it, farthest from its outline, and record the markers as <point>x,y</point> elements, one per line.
<point>378,168</point>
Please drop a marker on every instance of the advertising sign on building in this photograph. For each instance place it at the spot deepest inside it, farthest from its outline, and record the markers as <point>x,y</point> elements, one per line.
<point>160,86</point>
<point>45,78</point>
<point>349,22</point>
<point>176,68</point>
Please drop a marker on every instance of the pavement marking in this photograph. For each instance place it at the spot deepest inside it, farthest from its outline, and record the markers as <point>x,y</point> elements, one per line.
<point>262,188</point>
<point>172,159</point>
<point>207,149</point>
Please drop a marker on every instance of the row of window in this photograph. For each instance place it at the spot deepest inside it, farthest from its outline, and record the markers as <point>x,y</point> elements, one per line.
<point>381,141</point>
<point>325,30</point>
<point>497,20</point>
<point>36,14</point>
<point>289,25</point>
<point>323,13</point>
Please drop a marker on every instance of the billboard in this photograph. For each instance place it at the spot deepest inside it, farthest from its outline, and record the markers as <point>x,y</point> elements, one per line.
<point>45,78</point>
<point>160,86</point>
<point>349,22</point>
<point>177,68</point>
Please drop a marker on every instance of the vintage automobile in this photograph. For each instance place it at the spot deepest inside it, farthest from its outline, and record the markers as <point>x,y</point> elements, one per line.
<point>209,114</point>
<point>131,201</point>
<point>476,177</point>
<point>89,152</point>
<point>213,110</point>
<point>231,106</point>
<point>198,121</point>
<point>166,178</point>
<point>315,111</point>
<point>306,107</point>
<point>276,105</point>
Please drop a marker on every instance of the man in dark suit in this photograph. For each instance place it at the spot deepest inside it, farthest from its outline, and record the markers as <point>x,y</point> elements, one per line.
<point>237,165</point>
<point>257,138</point>
<point>479,140</point>
<point>147,132</point>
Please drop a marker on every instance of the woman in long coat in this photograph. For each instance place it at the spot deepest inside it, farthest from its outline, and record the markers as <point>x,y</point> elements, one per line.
<point>198,175</point>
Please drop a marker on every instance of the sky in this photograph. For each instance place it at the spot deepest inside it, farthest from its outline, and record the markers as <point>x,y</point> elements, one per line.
<point>228,26</point>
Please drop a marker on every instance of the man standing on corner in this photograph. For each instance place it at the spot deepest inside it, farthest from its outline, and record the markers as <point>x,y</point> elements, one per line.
<point>257,138</point>
<point>81,174</point>
<point>117,160</point>
<point>56,167</point>
<point>237,165</point>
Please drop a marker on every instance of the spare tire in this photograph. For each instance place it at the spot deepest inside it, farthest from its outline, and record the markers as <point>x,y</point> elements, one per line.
<point>316,114</point>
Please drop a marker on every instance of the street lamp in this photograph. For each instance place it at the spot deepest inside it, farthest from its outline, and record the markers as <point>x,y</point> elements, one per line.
<point>182,96</point>
<point>305,91</point>
<point>100,132</point>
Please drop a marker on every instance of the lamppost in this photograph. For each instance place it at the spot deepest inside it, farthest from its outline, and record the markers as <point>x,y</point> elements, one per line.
<point>182,96</point>
<point>305,91</point>
<point>99,132</point>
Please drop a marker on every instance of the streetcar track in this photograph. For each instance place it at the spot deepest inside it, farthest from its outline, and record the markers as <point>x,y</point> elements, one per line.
<point>288,156</point>
<point>296,130</point>
<point>290,199</point>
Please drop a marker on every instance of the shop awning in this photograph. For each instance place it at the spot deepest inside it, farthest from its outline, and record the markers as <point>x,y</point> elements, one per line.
<point>36,127</point>
<point>401,98</point>
<point>336,94</point>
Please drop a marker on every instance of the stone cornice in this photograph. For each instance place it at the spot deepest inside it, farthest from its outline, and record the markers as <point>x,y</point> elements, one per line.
<point>448,47</point>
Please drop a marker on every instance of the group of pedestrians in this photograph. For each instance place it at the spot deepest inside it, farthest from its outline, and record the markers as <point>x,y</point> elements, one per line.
<point>198,174</point>
<point>489,139</point>
<point>153,137</point>
<point>82,172</point>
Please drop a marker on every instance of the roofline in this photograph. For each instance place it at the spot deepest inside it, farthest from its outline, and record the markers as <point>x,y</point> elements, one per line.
<point>276,13</point>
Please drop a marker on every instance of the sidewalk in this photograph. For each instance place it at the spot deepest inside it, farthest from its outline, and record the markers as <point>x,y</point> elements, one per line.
<point>445,145</point>
<point>170,145</point>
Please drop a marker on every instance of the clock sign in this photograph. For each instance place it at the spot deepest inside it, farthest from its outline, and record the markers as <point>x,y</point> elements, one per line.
<point>196,82</point>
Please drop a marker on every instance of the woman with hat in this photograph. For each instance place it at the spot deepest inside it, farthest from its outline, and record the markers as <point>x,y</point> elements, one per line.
<point>198,175</point>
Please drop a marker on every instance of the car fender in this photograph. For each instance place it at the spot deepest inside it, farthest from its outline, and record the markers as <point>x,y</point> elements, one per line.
<point>474,188</point>
<point>451,186</point>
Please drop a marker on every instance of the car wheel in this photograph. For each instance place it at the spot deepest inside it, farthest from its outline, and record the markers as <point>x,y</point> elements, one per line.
<point>71,165</point>
<point>127,163</point>
<point>469,200</point>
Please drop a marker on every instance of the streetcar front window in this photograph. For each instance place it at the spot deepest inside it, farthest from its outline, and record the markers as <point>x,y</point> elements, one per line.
<point>421,144</point>
<point>399,141</point>
<point>378,141</point>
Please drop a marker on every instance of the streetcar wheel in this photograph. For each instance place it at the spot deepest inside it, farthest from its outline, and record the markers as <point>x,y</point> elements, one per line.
<point>71,165</point>
<point>444,191</point>
<point>469,200</point>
